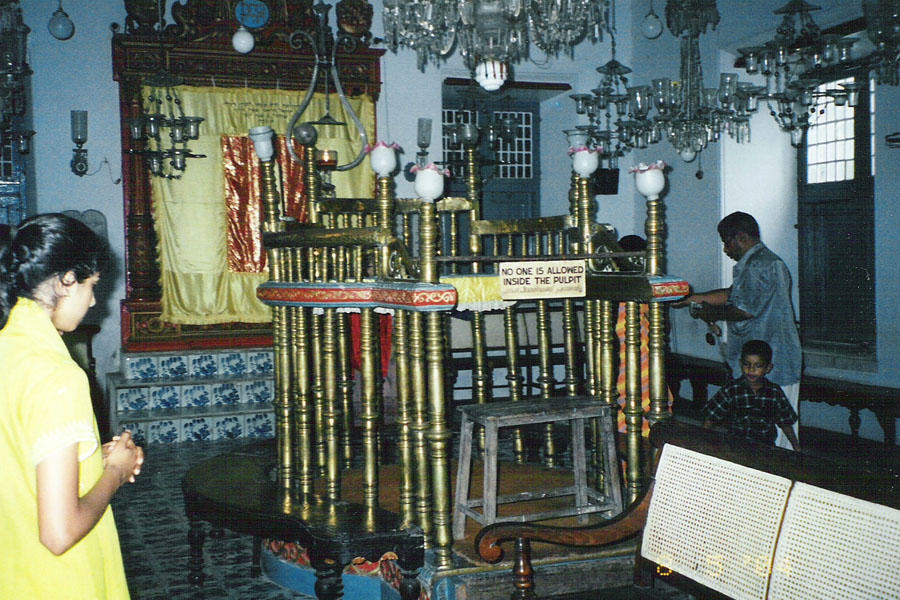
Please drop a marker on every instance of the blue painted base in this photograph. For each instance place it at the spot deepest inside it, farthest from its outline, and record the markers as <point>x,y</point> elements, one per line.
<point>303,579</point>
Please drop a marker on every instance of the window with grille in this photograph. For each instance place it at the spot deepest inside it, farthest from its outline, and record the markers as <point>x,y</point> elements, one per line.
<point>515,157</point>
<point>830,139</point>
<point>7,164</point>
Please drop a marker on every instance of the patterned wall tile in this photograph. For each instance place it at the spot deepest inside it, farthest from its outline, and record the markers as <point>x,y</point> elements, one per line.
<point>163,432</point>
<point>196,429</point>
<point>260,391</point>
<point>196,395</point>
<point>140,366</point>
<point>165,396</point>
<point>204,365</point>
<point>228,427</point>
<point>138,431</point>
<point>259,425</point>
<point>224,394</point>
<point>260,362</point>
<point>232,364</point>
<point>136,398</point>
<point>173,367</point>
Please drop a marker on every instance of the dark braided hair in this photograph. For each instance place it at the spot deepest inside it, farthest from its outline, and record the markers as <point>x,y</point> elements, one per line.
<point>43,247</point>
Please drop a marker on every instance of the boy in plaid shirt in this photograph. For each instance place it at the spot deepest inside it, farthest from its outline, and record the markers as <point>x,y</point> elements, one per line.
<point>753,406</point>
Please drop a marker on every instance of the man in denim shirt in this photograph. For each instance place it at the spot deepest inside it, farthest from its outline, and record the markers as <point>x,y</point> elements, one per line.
<point>756,306</point>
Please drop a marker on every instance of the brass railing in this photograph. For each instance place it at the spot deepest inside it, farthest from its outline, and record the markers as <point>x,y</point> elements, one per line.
<point>373,254</point>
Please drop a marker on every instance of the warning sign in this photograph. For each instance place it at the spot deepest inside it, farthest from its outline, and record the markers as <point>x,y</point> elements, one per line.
<point>544,279</point>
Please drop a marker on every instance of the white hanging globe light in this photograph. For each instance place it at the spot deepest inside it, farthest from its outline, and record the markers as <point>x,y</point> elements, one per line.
<point>242,40</point>
<point>491,74</point>
<point>60,25</point>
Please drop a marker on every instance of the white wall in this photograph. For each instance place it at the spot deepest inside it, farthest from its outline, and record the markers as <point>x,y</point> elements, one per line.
<point>77,74</point>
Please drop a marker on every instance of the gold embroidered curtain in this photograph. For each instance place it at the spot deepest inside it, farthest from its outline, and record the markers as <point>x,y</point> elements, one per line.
<point>207,221</point>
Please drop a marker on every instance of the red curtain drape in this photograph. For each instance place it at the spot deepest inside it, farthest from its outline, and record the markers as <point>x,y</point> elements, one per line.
<point>243,198</point>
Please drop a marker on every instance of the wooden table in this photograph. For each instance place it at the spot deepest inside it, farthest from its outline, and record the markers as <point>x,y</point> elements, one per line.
<point>237,491</point>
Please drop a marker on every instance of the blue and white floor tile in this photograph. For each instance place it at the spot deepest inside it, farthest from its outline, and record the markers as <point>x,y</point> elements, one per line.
<point>153,533</point>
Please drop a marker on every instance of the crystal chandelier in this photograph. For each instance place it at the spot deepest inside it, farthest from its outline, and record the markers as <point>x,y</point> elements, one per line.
<point>681,110</point>
<point>796,63</point>
<point>690,115</point>
<point>617,118</point>
<point>883,30</point>
<point>491,35</point>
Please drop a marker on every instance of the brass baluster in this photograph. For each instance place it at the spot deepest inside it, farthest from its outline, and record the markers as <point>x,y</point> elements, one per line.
<point>481,375</point>
<point>318,391</point>
<point>332,414</point>
<point>655,228</point>
<point>633,410</point>
<point>545,378</point>
<point>369,382</point>
<point>438,433</point>
<point>546,381</point>
<point>513,375</point>
<point>570,337</point>
<point>345,388</point>
<point>420,424</point>
<point>404,418</point>
<point>300,381</point>
<point>282,400</point>
<point>607,344</point>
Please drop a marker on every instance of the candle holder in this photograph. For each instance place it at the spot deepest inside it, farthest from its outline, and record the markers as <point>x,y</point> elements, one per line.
<point>326,160</point>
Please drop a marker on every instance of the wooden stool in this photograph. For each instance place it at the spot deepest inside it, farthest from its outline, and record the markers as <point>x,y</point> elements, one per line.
<point>492,417</point>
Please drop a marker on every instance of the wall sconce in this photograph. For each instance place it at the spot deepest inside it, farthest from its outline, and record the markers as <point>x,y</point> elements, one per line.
<point>79,162</point>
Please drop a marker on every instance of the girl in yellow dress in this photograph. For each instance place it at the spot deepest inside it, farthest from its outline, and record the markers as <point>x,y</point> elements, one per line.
<point>59,539</point>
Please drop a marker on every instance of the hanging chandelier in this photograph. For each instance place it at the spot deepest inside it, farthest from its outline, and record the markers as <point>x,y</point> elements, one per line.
<point>162,125</point>
<point>165,128</point>
<point>690,115</point>
<point>617,118</point>
<point>680,110</point>
<point>324,43</point>
<point>796,64</point>
<point>883,30</point>
<point>492,35</point>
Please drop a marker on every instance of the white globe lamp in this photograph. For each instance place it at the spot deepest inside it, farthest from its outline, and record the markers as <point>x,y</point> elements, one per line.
<point>491,74</point>
<point>650,179</point>
<point>242,40</point>
<point>585,162</point>
<point>383,158</point>
<point>60,25</point>
<point>429,184</point>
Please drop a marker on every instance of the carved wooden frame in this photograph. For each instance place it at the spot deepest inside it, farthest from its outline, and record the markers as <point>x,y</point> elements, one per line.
<point>197,48</point>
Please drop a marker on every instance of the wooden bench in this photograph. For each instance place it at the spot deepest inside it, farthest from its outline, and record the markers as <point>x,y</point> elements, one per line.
<point>741,520</point>
<point>884,402</point>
